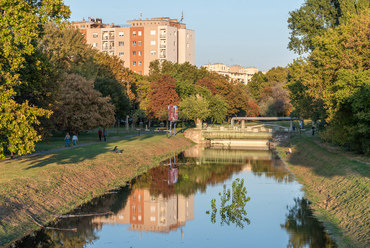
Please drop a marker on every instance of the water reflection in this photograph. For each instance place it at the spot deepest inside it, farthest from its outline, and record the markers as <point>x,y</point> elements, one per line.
<point>235,211</point>
<point>304,229</point>
<point>146,212</point>
<point>163,201</point>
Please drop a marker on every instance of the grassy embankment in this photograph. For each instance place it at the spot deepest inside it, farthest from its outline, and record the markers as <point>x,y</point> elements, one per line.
<point>45,186</point>
<point>338,185</point>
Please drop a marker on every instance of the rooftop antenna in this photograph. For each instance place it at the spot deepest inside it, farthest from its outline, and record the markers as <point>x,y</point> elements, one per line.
<point>182,16</point>
<point>141,14</point>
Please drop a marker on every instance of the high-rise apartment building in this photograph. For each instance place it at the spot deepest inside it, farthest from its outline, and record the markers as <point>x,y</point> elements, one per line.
<point>141,41</point>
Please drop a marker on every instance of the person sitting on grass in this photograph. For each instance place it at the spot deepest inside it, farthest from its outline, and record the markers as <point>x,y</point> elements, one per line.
<point>289,151</point>
<point>116,150</point>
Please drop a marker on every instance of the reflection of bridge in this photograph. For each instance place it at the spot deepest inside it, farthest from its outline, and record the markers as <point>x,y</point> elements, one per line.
<point>228,156</point>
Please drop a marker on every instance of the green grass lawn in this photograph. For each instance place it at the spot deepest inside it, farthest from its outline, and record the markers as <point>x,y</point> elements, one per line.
<point>45,186</point>
<point>57,140</point>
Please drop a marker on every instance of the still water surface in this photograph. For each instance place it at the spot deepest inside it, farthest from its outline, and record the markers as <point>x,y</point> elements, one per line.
<point>171,206</point>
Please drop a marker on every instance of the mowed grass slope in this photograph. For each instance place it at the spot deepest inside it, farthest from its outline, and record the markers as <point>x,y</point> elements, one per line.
<point>46,186</point>
<point>337,185</point>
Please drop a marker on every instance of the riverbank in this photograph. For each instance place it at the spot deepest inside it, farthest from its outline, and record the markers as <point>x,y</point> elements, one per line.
<point>46,186</point>
<point>338,185</point>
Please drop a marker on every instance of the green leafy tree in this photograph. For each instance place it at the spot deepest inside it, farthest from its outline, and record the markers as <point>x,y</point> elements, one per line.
<point>21,25</point>
<point>67,50</point>
<point>315,17</point>
<point>196,108</point>
<point>258,82</point>
<point>335,72</point>
<point>82,107</point>
<point>117,93</point>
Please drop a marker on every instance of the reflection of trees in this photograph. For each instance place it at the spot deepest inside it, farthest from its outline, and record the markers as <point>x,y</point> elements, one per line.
<point>86,228</point>
<point>304,229</point>
<point>234,212</point>
<point>270,170</point>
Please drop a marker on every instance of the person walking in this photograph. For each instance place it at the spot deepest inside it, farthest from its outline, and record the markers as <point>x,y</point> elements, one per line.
<point>67,138</point>
<point>313,130</point>
<point>74,139</point>
<point>100,133</point>
<point>105,134</point>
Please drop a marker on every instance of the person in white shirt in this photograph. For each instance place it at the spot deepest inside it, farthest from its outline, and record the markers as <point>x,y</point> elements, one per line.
<point>74,139</point>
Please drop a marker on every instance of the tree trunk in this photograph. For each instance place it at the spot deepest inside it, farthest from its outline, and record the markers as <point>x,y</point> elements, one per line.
<point>198,124</point>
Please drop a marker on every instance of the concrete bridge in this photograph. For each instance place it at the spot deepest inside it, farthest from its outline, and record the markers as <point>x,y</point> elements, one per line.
<point>256,136</point>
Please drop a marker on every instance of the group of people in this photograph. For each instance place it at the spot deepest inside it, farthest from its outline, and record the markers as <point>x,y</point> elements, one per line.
<point>74,139</point>
<point>103,133</point>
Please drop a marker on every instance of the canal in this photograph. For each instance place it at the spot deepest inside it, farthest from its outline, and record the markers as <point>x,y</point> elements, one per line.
<point>204,197</point>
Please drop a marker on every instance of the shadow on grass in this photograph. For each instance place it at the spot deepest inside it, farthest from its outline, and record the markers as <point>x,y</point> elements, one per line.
<point>84,152</point>
<point>322,161</point>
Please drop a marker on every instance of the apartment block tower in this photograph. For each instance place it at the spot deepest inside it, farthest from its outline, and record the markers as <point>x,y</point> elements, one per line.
<point>141,41</point>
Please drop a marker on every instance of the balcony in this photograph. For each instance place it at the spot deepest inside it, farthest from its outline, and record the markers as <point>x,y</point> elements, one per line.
<point>162,45</point>
<point>108,37</point>
<point>163,36</point>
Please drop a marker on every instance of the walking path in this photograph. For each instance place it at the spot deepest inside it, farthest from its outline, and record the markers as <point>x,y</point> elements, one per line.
<point>64,148</point>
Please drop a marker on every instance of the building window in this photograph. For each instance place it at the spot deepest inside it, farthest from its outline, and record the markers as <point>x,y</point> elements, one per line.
<point>152,218</point>
<point>139,63</point>
<point>153,53</point>
<point>134,53</point>
<point>139,53</point>
<point>139,33</point>
<point>120,34</point>
<point>120,54</point>
<point>95,35</point>
<point>134,43</point>
<point>152,43</point>
<point>187,45</point>
<point>121,43</point>
<point>152,32</point>
<point>133,33</point>
<point>187,35</point>
<point>133,63</point>
<point>82,26</point>
<point>139,43</point>
<point>95,44</point>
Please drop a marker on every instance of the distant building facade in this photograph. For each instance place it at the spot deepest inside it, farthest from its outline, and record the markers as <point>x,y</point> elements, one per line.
<point>235,72</point>
<point>141,41</point>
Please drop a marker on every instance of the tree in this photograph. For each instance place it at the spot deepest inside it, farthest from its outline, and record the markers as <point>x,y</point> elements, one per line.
<point>67,50</point>
<point>335,72</point>
<point>21,24</point>
<point>82,107</point>
<point>315,17</point>
<point>163,94</point>
<point>117,93</point>
<point>196,108</point>
<point>258,82</point>
<point>218,109</point>
<point>252,109</point>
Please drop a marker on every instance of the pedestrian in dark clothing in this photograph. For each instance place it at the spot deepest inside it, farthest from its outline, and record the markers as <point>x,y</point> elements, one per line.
<point>100,133</point>
<point>105,134</point>
<point>313,130</point>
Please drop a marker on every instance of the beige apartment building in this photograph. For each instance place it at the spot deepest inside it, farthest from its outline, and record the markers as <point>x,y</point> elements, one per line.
<point>235,72</point>
<point>141,41</point>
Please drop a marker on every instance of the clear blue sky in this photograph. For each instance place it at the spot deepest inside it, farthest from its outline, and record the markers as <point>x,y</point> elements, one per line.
<point>244,32</point>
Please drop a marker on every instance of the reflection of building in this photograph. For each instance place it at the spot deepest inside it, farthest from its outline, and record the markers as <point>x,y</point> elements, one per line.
<point>141,41</point>
<point>152,214</point>
<point>235,72</point>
